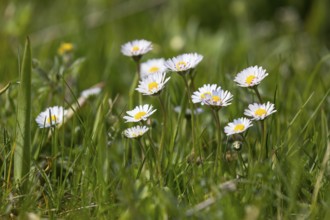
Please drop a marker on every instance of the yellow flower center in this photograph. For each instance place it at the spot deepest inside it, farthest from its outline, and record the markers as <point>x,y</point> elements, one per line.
<point>260,112</point>
<point>216,98</point>
<point>249,79</point>
<point>153,69</point>
<point>139,115</point>
<point>65,48</point>
<point>135,48</point>
<point>152,85</point>
<point>203,95</point>
<point>51,119</point>
<point>239,127</point>
<point>181,65</point>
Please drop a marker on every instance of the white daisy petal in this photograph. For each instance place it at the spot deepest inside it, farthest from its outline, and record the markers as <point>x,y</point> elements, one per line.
<point>238,126</point>
<point>50,117</point>
<point>250,76</point>
<point>152,66</point>
<point>139,113</point>
<point>136,48</point>
<point>259,111</point>
<point>135,132</point>
<point>200,95</point>
<point>90,92</point>
<point>183,62</point>
<point>153,84</point>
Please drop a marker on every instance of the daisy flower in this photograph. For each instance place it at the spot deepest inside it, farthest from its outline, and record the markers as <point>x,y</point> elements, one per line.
<point>139,113</point>
<point>218,98</point>
<point>136,48</point>
<point>90,92</point>
<point>152,66</point>
<point>135,132</point>
<point>50,117</point>
<point>183,62</point>
<point>250,76</point>
<point>237,126</point>
<point>259,111</point>
<point>152,84</point>
<point>200,95</point>
<point>65,48</point>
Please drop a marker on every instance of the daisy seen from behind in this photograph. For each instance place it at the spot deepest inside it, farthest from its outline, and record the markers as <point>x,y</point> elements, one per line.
<point>141,112</point>
<point>136,48</point>
<point>153,84</point>
<point>50,117</point>
<point>152,66</point>
<point>238,126</point>
<point>259,111</point>
<point>184,62</point>
<point>135,132</point>
<point>250,76</point>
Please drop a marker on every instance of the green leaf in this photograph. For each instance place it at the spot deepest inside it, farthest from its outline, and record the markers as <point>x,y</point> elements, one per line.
<point>23,126</point>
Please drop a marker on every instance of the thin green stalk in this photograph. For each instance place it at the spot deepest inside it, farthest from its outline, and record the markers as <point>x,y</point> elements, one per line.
<point>143,156</point>
<point>263,147</point>
<point>257,93</point>
<point>192,111</point>
<point>218,163</point>
<point>161,149</point>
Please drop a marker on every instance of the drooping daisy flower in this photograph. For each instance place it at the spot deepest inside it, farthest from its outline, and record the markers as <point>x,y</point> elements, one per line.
<point>139,113</point>
<point>237,126</point>
<point>183,62</point>
<point>135,132</point>
<point>90,92</point>
<point>136,48</point>
<point>218,98</point>
<point>200,95</point>
<point>152,84</point>
<point>259,111</point>
<point>50,117</point>
<point>152,66</point>
<point>250,76</point>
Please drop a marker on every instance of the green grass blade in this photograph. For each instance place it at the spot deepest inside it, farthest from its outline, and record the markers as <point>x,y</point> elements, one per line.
<point>23,129</point>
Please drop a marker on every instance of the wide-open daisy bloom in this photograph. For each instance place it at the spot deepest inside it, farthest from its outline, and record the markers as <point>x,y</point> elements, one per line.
<point>152,66</point>
<point>183,62</point>
<point>141,112</point>
<point>250,76</point>
<point>200,95</point>
<point>135,132</point>
<point>136,48</point>
<point>238,126</point>
<point>50,117</point>
<point>218,98</point>
<point>152,84</point>
<point>259,111</point>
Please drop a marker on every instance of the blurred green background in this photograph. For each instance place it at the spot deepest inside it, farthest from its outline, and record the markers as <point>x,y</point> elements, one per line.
<point>230,34</point>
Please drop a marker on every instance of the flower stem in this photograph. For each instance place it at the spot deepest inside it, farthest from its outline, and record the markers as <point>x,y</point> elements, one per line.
<point>258,94</point>
<point>161,150</point>
<point>218,165</point>
<point>263,147</point>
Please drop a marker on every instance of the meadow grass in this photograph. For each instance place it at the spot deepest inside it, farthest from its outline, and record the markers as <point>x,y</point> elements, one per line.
<point>184,166</point>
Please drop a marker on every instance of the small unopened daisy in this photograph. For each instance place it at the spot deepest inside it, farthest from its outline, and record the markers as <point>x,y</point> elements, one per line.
<point>250,76</point>
<point>237,126</point>
<point>184,62</point>
<point>153,66</point>
<point>141,112</point>
<point>153,84</point>
<point>65,48</point>
<point>259,111</point>
<point>50,117</point>
<point>136,48</point>
<point>218,98</point>
<point>200,95</point>
<point>135,132</point>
